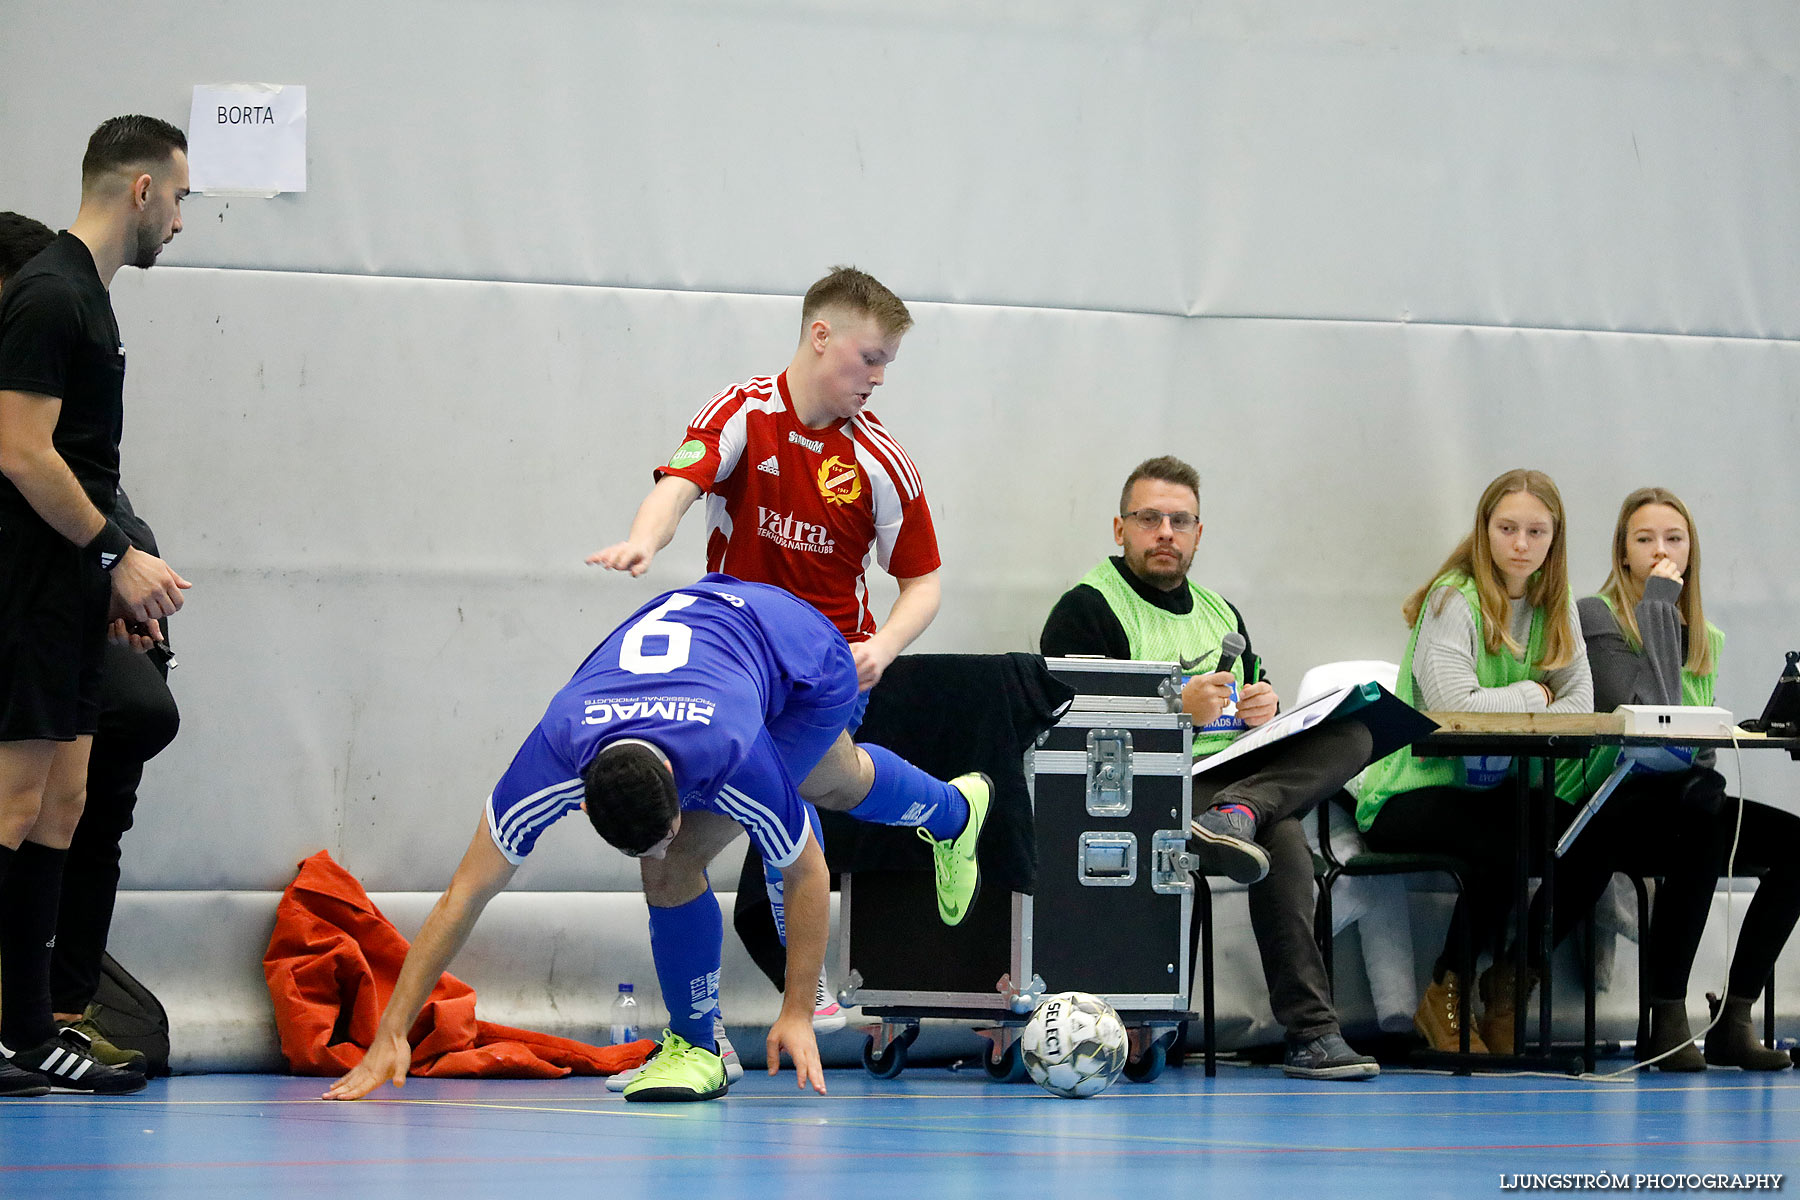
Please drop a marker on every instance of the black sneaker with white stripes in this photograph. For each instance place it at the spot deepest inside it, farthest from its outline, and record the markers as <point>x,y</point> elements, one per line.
<point>16,1081</point>
<point>65,1062</point>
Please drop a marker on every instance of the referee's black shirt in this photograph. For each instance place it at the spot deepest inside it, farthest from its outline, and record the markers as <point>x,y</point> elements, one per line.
<point>58,337</point>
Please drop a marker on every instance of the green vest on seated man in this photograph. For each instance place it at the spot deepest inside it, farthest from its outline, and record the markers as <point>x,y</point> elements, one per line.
<point>1192,639</point>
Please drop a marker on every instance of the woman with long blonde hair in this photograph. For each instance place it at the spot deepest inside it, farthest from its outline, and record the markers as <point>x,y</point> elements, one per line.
<point>1650,643</point>
<point>1494,630</point>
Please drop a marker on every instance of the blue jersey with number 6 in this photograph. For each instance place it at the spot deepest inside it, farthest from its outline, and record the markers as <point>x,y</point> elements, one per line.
<point>741,685</point>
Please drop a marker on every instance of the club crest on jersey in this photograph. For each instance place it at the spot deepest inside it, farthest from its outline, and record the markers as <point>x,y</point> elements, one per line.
<point>662,708</point>
<point>839,482</point>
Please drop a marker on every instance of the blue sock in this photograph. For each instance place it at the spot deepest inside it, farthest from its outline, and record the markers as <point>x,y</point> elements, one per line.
<point>772,878</point>
<point>904,795</point>
<point>686,944</point>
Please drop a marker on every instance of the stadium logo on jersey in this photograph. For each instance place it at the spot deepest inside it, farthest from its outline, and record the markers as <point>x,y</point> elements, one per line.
<point>792,534</point>
<point>815,447</point>
<point>770,465</point>
<point>839,481</point>
<point>663,708</point>
<point>690,452</point>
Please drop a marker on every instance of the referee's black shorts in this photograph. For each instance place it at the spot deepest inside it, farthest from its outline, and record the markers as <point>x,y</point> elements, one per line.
<point>53,604</point>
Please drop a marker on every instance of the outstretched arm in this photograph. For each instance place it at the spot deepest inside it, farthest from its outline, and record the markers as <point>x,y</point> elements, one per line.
<point>480,877</point>
<point>807,885</point>
<point>657,519</point>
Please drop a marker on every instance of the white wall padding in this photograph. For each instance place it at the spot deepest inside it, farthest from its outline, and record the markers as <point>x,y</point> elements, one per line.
<point>1613,166</point>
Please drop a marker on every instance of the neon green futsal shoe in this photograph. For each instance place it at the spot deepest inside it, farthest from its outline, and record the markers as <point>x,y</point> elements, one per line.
<point>679,1071</point>
<point>958,874</point>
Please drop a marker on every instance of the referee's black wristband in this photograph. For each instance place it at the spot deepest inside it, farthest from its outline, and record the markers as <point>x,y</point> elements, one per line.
<point>109,545</point>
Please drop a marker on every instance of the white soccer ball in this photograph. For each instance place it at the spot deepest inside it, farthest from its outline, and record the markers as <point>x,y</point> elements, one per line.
<point>1074,1045</point>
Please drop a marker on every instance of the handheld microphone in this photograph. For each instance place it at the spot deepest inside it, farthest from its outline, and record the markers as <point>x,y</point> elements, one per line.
<point>1230,647</point>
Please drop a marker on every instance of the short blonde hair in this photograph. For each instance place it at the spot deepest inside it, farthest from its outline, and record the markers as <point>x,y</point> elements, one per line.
<point>858,292</point>
<point>1474,557</point>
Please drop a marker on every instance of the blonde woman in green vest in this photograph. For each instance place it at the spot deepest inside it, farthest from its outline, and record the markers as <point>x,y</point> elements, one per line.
<point>1650,643</point>
<point>1142,605</point>
<point>1493,631</point>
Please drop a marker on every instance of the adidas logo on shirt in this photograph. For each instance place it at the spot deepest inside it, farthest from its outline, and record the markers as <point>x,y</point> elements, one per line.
<point>769,464</point>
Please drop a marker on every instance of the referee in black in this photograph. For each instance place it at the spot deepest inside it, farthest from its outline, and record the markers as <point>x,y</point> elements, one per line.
<point>66,567</point>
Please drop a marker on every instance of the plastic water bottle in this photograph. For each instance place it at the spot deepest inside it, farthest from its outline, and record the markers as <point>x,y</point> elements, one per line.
<point>624,1016</point>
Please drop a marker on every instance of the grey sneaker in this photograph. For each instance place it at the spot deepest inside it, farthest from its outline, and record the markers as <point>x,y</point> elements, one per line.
<point>1327,1057</point>
<point>1224,839</point>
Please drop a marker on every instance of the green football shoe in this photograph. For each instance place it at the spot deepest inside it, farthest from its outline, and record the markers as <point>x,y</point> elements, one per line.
<point>679,1071</point>
<point>958,874</point>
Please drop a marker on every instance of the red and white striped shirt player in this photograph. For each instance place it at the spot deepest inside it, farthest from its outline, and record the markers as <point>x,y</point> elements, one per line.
<point>803,486</point>
<point>802,508</point>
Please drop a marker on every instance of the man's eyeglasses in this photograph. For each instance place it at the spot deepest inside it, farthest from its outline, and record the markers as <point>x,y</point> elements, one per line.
<point>1150,520</point>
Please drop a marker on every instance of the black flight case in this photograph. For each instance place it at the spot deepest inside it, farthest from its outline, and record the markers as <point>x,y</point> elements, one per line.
<point>1111,795</point>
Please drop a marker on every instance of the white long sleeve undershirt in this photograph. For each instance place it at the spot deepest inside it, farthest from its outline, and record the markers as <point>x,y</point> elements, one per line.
<point>1444,659</point>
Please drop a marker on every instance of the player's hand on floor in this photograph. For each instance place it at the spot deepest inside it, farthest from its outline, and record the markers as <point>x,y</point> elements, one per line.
<point>623,556</point>
<point>795,1035</point>
<point>386,1062</point>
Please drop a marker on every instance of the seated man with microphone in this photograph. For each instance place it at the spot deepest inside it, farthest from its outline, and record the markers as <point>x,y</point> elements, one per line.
<point>1141,605</point>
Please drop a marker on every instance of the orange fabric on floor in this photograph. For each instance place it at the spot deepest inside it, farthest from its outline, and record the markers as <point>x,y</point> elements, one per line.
<point>331,965</point>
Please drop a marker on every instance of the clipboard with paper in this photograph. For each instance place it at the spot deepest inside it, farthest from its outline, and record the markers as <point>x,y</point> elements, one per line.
<point>1392,723</point>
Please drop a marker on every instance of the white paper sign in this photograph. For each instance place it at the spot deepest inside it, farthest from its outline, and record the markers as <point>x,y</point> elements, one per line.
<point>247,139</point>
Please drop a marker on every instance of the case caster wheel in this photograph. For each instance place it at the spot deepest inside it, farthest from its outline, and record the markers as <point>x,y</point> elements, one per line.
<point>1148,1065</point>
<point>1008,1068</point>
<point>887,1064</point>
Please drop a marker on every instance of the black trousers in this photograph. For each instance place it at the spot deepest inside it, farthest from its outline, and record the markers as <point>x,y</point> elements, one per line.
<point>138,718</point>
<point>1307,769</point>
<point>1481,828</point>
<point>1666,825</point>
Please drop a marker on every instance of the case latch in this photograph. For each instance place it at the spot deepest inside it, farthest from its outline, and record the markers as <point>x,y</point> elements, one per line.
<point>1109,773</point>
<point>1170,863</point>
<point>1106,859</point>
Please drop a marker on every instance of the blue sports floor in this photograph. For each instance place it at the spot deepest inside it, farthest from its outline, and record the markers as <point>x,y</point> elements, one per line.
<point>932,1133</point>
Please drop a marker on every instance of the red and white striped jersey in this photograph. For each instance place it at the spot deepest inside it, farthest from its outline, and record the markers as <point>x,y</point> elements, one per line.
<point>805,509</point>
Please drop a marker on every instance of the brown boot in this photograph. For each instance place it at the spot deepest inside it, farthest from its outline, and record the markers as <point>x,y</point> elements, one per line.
<point>1496,992</point>
<point>1436,1019</point>
<point>1668,1030</point>
<point>1733,1041</point>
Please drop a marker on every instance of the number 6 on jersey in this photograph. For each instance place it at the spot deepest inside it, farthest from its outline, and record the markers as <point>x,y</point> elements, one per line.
<point>679,640</point>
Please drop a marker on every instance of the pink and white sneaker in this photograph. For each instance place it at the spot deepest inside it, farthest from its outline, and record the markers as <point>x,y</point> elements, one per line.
<point>828,1014</point>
